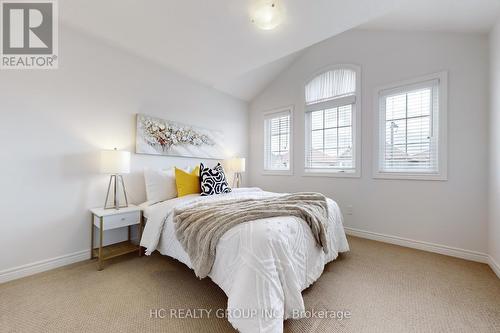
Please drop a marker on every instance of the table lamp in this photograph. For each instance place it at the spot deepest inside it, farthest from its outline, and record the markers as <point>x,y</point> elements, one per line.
<point>237,166</point>
<point>115,163</point>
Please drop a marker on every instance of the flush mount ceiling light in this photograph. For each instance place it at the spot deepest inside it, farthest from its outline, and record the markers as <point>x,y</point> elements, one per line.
<point>266,14</point>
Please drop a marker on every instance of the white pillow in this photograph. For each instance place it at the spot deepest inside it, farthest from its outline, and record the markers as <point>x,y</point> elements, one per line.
<point>160,184</point>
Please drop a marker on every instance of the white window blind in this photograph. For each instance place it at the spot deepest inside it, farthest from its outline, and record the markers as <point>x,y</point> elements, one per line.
<point>409,128</point>
<point>330,118</point>
<point>277,141</point>
<point>331,84</point>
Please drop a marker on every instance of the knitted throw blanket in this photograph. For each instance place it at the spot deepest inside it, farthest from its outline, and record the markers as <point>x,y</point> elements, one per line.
<point>199,227</point>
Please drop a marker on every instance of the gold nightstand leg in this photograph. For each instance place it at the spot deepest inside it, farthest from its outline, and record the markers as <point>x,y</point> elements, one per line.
<point>99,263</point>
<point>141,221</point>
<point>92,237</point>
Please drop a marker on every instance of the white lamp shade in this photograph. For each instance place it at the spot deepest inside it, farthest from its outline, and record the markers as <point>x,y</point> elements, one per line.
<point>115,162</point>
<point>236,164</point>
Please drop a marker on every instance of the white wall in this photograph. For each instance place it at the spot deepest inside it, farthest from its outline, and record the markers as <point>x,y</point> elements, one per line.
<point>54,123</point>
<point>494,226</point>
<point>451,213</point>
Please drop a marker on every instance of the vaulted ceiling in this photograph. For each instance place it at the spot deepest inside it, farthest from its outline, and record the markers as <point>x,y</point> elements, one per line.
<point>215,43</point>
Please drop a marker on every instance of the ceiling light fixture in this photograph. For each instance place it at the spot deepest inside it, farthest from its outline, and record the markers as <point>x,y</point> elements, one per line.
<point>266,14</point>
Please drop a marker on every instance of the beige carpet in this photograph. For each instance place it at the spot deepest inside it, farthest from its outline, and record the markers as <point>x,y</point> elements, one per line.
<point>385,287</point>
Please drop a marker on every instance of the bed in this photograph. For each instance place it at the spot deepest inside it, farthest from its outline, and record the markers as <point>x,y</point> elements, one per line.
<point>262,265</point>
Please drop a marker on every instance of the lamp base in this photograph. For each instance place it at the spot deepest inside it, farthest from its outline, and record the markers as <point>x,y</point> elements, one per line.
<point>116,200</point>
<point>237,179</point>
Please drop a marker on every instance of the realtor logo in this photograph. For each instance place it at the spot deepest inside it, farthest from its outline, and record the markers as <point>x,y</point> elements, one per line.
<point>29,34</point>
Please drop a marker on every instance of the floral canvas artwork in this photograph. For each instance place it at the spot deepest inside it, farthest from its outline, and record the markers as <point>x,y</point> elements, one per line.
<point>164,137</point>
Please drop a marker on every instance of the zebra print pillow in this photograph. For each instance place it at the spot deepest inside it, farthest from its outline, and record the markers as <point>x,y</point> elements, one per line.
<point>213,181</point>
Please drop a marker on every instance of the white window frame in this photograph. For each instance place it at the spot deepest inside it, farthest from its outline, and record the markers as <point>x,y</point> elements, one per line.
<point>442,119</point>
<point>356,125</point>
<point>270,114</point>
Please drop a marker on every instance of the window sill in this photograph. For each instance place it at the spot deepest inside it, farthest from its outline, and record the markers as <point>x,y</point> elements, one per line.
<point>277,173</point>
<point>410,176</point>
<point>333,174</point>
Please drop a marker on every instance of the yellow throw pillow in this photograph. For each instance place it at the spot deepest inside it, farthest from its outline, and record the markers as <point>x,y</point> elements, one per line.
<point>187,183</point>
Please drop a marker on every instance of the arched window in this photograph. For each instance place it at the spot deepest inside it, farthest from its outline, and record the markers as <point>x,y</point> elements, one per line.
<point>330,85</point>
<point>332,110</point>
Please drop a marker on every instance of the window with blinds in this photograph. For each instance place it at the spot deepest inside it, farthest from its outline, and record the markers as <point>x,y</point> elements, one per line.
<point>330,120</point>
<point>277,130</point>
<point>409,129</point>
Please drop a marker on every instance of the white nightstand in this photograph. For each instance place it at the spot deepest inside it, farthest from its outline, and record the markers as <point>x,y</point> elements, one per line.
<point>106,219</point>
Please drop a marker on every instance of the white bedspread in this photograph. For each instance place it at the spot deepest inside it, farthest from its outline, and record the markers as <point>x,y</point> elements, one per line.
<point>262,266</point>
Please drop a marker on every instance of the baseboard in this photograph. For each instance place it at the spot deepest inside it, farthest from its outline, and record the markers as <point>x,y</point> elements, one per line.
<point>421,245</point>
<point>48,264</point>
<point>494,266</point>
<point>43,265</point>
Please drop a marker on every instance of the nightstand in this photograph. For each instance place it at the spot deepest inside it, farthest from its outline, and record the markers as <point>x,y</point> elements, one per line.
<point>107,219</point>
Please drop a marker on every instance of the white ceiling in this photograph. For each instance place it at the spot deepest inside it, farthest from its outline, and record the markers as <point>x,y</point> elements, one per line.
<point>441,15</point>
<point>214,42</point>
<point>248,85</point>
